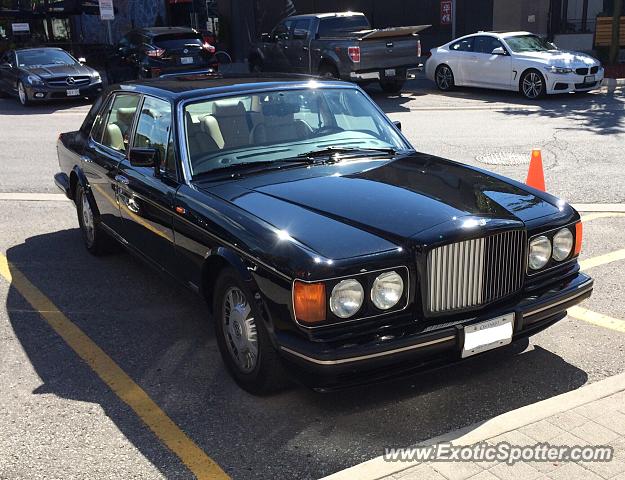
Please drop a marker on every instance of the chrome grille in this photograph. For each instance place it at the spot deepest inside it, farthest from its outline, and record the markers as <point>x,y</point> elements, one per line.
<point>474,272</point>
<point>62,82</point>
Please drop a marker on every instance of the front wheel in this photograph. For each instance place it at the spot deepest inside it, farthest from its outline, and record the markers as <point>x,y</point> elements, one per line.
<point>243,339</point>
<point>532,85</point>
<point>22,94</point>
<point>444,78</point>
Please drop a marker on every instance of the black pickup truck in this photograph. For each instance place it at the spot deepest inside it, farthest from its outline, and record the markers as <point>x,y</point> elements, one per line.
<point>339,45</point>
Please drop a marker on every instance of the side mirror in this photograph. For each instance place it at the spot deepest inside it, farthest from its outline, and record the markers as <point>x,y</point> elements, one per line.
<point>82,60</point>
<point>6,65</point>
<point>397,124</point>
<point>265,37</point>
<point>498,51</point>
<point>143,157</point>
<point>552,45</point>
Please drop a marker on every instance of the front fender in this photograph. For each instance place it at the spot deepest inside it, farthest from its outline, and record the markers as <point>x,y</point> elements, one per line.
<point>77,177</point>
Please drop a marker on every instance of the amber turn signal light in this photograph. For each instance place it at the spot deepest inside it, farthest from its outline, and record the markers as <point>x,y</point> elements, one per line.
<point>579,233</point>
<point>309,302</point>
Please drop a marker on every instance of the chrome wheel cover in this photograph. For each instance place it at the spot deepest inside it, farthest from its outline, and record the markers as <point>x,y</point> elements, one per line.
<point>21,93</point>
<point>444,78</point>
<point>87,220</point>
<point>240,330</point>
<point>532,85</point>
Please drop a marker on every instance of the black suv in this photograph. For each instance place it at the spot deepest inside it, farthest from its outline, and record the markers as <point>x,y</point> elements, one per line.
<point>156,51</point>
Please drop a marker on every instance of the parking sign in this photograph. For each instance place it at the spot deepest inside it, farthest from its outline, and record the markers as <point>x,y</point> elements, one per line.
<point>446,12</point>
<point>107,11</point>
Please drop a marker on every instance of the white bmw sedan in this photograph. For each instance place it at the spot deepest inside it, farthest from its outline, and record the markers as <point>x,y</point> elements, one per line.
<point>518,61</point>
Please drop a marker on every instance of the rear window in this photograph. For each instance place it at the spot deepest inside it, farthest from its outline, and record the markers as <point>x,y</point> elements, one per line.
<point>341,26</point>
<point>174,41</point>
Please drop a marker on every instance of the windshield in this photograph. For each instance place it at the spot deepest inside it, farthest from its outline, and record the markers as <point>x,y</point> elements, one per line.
<point>278,125</point>
<point>528,43</point>
<point>33,58</point>
<point>178,41</point>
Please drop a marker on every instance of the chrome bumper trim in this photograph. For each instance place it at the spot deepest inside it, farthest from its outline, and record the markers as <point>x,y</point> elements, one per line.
<point>366,357</point>
<point>585,286</point>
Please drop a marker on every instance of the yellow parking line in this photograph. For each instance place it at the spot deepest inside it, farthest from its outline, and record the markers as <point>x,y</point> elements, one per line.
<point>597,319</point>
<point>112,374</point>
<point>602,259</point>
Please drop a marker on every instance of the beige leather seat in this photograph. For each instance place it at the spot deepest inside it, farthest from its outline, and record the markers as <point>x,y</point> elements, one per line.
<point>233,123</point>
<point>279,124</point>
<point>199,141</point>
<point>113,137</point>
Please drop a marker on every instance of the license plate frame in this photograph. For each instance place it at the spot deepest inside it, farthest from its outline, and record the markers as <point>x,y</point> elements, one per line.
<point>589,79</point>
<point>186,60</point>
<point>72,92</point>
<point>487,335</point>
<point>390,72</point>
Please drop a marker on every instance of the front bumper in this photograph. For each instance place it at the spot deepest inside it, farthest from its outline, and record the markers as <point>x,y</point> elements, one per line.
<point>47,92</point>
<point>326,367</point>
<point>571,82</point>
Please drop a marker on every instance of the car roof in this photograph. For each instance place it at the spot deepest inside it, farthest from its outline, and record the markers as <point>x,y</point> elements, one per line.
<point>26,49</point>
<point>154,31</point>
<point>183,87</point>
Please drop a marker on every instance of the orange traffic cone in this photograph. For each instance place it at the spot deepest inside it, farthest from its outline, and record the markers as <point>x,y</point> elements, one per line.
<point>535,175</point>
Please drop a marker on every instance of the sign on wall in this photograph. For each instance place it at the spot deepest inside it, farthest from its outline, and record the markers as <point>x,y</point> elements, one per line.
<point>107,12</point>
<point>446,12</point>
<point>20,27</point>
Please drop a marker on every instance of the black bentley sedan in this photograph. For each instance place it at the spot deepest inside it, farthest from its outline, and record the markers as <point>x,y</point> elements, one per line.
<point>44,73</point>
<point>328,249</point>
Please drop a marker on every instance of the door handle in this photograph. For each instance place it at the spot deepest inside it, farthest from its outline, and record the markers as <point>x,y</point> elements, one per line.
<point>121,179</point>
<point>305,48</point>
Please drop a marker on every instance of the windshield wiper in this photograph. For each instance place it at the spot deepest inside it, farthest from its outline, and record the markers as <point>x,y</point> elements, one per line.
<point>235,168</point>
<point>336,151</point>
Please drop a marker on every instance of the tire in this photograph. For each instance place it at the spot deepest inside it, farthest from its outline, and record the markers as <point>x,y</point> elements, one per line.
<point>329,71</point>
<point>243,338</point>
<point>444,78</point>
<point>392,86</point>
<point>22,95</point>
<point>532,85</point>
<point>96,241</point>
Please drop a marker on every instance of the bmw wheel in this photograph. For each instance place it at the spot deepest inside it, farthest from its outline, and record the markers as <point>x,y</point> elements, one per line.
<point>243,339</point>
<point>96,241</point>
<point>444,78</point>
<point>532,84</point>
<point>22,94</point>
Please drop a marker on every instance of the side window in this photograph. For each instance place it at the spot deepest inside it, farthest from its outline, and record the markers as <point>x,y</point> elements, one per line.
<point>94,120</point>
<point>484,44</point>
<point>119,122</point>
<point>465,45</point>
<point>154,130</point>
<point>281,32</point>
<point>301,29</point>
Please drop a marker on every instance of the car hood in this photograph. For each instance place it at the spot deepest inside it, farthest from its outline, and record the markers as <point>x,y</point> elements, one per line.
<point>368,205</point>
<point>560,58</point>
<point>51,71</point>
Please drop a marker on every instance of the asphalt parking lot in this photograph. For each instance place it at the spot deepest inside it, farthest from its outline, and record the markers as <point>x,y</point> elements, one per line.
<point>61,420</point>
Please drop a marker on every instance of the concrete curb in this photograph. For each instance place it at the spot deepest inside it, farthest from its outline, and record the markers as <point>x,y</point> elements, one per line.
<point>377,468</point>
<point>34,197</point>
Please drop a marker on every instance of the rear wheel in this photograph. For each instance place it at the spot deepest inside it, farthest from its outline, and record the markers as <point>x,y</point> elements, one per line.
<point>328,71</point>
<point>243,339</point>
<point>392,86</point>
<point>96,241</point>
<point>532,84</point>
<point>444,78</point>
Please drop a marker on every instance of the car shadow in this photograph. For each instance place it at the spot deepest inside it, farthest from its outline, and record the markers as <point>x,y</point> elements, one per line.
<point>160,334</point>
<point>12,106</point>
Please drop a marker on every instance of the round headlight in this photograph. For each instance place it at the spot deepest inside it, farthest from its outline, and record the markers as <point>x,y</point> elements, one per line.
<point>346,298</point>
<point>387,290</point>
<point>540,252</point>
<point>562,244</point>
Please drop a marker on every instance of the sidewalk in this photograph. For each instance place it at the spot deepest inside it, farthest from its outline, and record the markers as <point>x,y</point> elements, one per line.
<point>592,415</point>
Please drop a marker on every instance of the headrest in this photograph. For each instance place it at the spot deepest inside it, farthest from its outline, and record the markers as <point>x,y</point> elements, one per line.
<point>228,108</point>
<point>125,114</point>
<point>279,108</point>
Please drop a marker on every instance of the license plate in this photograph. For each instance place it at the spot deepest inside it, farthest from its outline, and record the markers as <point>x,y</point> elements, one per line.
<point>389,72</point>
<point>589,79</point>
<point>73,92</point>
<point>487,335</point>
<point>186,60</point>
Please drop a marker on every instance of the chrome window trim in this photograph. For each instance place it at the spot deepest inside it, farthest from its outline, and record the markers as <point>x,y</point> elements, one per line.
<point>351,320</point>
